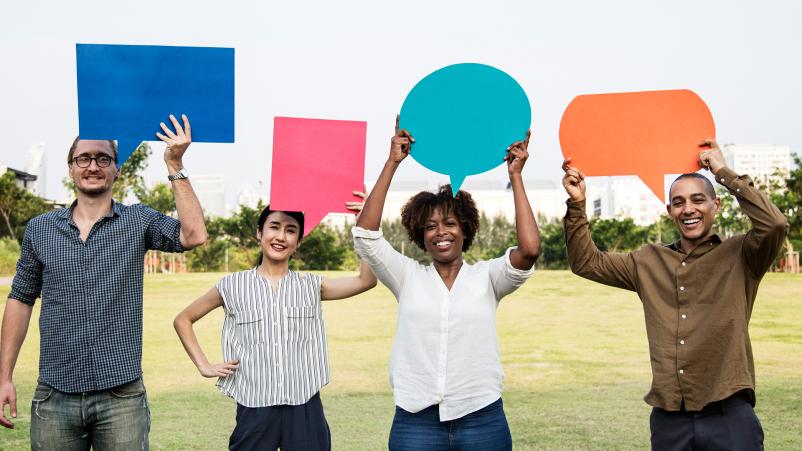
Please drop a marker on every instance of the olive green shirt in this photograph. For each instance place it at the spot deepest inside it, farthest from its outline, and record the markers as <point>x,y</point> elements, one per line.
<point>697,305</point>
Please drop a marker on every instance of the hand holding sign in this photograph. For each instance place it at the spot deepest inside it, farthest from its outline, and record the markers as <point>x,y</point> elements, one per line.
<point>124,91</point>
<point>463,118</point>
<point>648,134</point>
<point>317,165</point>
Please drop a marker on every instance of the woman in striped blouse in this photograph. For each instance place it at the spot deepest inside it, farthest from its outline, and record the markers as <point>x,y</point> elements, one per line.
<point>274,341</point>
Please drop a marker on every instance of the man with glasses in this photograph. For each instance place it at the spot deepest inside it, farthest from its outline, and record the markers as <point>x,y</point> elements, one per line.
<point>87,263</point>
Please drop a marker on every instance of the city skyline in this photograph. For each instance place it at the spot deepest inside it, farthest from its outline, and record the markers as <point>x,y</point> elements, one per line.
<point>294,60</point>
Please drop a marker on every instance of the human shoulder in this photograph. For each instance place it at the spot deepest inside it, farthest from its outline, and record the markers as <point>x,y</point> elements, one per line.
<point>46,219</point>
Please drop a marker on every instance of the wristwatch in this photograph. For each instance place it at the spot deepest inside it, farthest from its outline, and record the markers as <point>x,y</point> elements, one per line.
<point>181,174</point>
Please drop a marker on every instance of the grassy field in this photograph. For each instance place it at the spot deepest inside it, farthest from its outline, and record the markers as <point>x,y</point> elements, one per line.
<point>574,353</point>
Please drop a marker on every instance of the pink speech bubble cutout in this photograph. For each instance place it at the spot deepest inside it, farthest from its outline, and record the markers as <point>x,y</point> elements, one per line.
<point>317,164</point>
<point>648,134</point>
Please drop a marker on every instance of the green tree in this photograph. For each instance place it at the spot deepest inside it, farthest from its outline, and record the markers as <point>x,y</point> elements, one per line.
<point>17,206</point>
<point>160,197</point>
<point>552,245</point>
<point>321,250</point>
<point>617,235</point>
<point>664,231</point>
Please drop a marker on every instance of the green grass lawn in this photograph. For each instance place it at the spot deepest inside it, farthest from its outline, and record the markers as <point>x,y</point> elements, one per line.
<point>574,353</point>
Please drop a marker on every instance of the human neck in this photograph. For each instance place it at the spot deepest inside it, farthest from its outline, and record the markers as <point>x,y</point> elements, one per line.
<point>273,270</point>
<point>448,268</point>
<point>92,208</point>
<point>688,245</point>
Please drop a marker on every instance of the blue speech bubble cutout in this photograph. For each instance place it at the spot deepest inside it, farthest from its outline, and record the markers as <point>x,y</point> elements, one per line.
<point>463,117</point>
<point>125,91</point>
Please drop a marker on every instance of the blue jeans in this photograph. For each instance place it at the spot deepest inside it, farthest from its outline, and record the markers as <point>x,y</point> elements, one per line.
<point>113,419</point>
<point>483,430</point>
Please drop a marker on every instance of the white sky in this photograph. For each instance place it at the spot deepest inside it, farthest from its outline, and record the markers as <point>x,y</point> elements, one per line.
<point>358,60</point>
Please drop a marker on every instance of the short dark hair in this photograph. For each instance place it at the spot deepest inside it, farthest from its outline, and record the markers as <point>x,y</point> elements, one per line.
<point>709,189</point>
<point>112,144</point>
<point>420,207</point>
<point>296,215</point>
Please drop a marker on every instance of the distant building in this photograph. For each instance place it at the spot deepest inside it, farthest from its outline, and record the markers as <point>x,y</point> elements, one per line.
<point>760,161</point>
<point>622,197</point>
<point>24,180</point>
<point>211,192</point>
<point>38,166</point>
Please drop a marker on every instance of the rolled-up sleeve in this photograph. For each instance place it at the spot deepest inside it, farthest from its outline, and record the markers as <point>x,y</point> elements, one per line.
<point>27,284</point>
<point>388,264</point>
<point>506,278</point>
<point>163,233</point>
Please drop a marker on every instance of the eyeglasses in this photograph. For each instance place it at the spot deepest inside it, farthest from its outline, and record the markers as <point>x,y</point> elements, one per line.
<point>102,161</point>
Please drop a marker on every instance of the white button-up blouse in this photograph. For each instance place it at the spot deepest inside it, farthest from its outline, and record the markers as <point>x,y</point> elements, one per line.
<point>446,349</point>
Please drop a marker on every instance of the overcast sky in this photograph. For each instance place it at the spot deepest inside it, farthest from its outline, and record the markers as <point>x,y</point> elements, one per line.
<point>358,60</point>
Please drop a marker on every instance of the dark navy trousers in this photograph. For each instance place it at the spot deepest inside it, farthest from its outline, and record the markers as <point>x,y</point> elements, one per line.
<point>291,428</point>
<point>729,424</point>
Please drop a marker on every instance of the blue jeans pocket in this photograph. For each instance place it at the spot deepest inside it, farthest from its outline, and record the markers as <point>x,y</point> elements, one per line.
<point>42,393</point>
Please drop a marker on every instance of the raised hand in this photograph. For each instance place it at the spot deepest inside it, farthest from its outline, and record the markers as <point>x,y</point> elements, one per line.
<point>400,144</point>
<point>710,155</point>
<point>573,181</point>
<point>357,206</point>
<point>177,143</point>
<point>517,153</point>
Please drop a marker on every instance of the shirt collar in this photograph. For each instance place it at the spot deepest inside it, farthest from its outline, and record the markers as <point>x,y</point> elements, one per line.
<point>66,213</point>
<point>677,245</point>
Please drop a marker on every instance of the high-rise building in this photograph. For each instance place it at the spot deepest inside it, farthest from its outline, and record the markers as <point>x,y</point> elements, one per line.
<point>211,192</point>
<point>760,161</point>
<point>622,197</point>
<point>37,165</point>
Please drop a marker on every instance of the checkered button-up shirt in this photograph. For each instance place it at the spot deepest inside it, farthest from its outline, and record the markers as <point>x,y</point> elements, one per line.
<point>91,319</point>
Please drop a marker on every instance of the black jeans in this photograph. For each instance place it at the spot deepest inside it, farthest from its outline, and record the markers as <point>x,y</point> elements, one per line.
<point>729,424</point>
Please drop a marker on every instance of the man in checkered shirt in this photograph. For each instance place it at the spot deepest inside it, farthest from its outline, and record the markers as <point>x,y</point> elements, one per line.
<point>87,263</point>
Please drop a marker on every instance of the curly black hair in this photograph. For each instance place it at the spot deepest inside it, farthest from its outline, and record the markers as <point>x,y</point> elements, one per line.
<point>420,207</point>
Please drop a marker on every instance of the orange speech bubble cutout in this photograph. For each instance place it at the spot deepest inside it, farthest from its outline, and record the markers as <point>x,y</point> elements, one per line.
<point>648,134</point>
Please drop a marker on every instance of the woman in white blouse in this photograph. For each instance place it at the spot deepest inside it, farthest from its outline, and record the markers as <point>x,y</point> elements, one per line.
<point>274,342</point>
<point>445,368</point>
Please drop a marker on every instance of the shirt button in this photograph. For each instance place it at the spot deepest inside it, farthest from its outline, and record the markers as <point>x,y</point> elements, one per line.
<point>738,190</point>
<point>683,263</point>
<point>722,179</point>
<point>681,288</point>
<point>684,316</point>
<point>682,342</point>
<point>681,371</point>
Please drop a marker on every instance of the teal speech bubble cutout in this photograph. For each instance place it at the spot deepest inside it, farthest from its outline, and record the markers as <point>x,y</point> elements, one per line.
<point>463,117</point>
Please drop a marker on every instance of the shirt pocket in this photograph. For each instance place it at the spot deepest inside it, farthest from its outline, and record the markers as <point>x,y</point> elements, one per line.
<point>301,323</point>
<point>249,327</point>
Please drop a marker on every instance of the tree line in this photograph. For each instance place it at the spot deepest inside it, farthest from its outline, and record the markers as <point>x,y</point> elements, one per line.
<point>233,246</point>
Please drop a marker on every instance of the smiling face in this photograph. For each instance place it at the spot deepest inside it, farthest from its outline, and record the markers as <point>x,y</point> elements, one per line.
<point>443,237</point>
<point>279,236</point>
<point>693,209</point>
<point>93,180</point>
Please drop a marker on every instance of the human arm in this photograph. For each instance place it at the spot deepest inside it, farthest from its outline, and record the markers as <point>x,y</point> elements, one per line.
<point>769,226</point>
<point>400,145</point>
<point>585,259</point>
<point>345,287</point>
<point>528,234</point>
<point>183,326</point>
<point>190,214</point>
<point>16,317</point>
